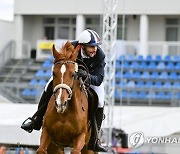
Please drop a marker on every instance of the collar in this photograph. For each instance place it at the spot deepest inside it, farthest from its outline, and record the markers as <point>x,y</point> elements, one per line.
<point>83,55</point>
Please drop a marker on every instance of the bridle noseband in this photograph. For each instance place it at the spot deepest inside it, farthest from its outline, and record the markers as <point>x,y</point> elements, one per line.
<point>62,85</point>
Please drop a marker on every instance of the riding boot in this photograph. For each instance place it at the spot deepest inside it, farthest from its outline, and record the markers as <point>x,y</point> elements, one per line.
<point>36,122</point>
<point>95,143</point>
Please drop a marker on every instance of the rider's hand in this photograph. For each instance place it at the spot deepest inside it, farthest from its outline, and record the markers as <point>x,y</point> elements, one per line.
<point>82,73</point>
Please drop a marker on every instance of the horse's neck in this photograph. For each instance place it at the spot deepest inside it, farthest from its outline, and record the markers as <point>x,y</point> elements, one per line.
<point>77,97</point>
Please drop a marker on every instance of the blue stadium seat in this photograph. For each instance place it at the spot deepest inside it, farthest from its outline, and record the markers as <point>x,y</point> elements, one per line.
<point>140,84</point>
<point>163,75</point>
<point>140,58</point>
<point>34,92</point>
<point>176,84</point>
<point>152,65</point>
<point>125,94</point>
<point>47,64</point>
<point>158,84</point>
<point>134,65</point>
<point>168,95</point>
<point>161,66</point>
<point>33,82</point>
<point>126,65</point>
<point>164,95</point>
<point>177,67</point>
<point>148,84</point>
<point>133,95</point>
<point>40,73</point>
<point>117,94</point>
<point>154,75</point>
<point>176,58</point>
<point>48,73</point>
<point>118,75</point>
<point>118,65</point>
<point>42,82</point>
<point>145,75</point>
<point>136,75</point>
<point>26,92</point>
<point>167,84</point>
<point>178,95</point>
<point>120,84</point>
<point>158,58</point>
<point>142,95</point>
<point>161,95</point>
<point>173,76</point>
<point>51,58</point>
<point>151,95</point>
<point>143,65</point>
<point>131,84</point>
<point>167,58</point>
<point>170,66</point>
<point>149,58</point>
<point>127,75</point>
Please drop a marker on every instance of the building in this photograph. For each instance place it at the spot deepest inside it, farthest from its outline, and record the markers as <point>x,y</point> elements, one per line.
<point>150,26</point>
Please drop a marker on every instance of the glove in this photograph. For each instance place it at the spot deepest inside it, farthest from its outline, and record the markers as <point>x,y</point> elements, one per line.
<point>82,73</point>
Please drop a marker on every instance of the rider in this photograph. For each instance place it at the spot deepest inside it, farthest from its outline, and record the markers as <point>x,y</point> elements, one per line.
<point>92,55</point>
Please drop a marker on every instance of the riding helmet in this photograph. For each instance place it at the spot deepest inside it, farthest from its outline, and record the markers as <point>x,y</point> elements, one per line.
<point>89,37</point>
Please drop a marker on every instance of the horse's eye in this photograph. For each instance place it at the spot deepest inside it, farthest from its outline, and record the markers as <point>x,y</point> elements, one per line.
<point>53,73</point>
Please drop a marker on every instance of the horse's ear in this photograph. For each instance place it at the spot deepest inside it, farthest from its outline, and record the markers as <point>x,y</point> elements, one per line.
<point>55,52</point>
<point>76,51</point>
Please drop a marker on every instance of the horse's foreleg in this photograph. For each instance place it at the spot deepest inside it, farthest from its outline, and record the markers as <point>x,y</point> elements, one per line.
<point>79,143</point>
<point>44,142</point>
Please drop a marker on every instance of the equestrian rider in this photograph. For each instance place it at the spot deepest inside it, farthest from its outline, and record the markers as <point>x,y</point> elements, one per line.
<point>92,55</point>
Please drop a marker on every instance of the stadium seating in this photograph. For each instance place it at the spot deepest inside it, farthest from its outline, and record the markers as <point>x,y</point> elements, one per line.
<point>156,78</point>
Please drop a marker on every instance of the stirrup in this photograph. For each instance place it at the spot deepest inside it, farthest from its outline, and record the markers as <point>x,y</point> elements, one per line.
<point>31,120</point>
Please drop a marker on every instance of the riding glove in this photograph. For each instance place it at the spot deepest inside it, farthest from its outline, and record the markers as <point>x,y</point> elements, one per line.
<point>82,73</point>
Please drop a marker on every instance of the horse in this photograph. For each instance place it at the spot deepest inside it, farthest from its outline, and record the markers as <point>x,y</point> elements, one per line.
<point>65,123</point>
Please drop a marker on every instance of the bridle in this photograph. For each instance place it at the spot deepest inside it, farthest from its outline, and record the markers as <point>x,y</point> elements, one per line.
<point>78,64</point>
<point>62,85</point>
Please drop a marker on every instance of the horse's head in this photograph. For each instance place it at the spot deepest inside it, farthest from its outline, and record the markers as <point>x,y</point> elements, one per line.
<point>64,73</point>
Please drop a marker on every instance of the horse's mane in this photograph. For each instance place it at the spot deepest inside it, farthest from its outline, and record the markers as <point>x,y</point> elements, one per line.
<point>66,52</point>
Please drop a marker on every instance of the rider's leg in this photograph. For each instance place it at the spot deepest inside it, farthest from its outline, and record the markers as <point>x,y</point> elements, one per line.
<point>36,123</point>
<point>94,143</point>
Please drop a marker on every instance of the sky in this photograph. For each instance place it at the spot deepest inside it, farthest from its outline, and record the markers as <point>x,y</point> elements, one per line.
<point>7,10</point>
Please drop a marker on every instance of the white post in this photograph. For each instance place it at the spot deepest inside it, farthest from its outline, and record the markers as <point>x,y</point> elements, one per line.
<point>144,30</point>
<point>80,24</point>
<point>18,29</point>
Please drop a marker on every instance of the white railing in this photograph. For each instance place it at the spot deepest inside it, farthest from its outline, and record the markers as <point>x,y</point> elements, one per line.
<point>154,47</point>
<point>7,53</point>
<point>26,50</point>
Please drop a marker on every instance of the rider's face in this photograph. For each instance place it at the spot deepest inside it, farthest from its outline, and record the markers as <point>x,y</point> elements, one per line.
<point>90,50</point>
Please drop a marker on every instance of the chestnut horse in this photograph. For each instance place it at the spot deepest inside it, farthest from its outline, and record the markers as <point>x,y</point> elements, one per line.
<point>65,123</point>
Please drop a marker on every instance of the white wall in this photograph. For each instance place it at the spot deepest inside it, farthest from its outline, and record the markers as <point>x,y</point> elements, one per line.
<point>6,33</point>
<point>157,26</point>
<point>133,28</point>
<point>33,29</point>
<point>96,7</point>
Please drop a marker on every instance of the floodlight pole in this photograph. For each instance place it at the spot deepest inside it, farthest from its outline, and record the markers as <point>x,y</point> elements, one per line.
<point>108,38</point>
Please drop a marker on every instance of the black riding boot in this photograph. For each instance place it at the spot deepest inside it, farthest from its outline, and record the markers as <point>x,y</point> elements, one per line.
<point>94,143</point>
<point>36,122</point>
